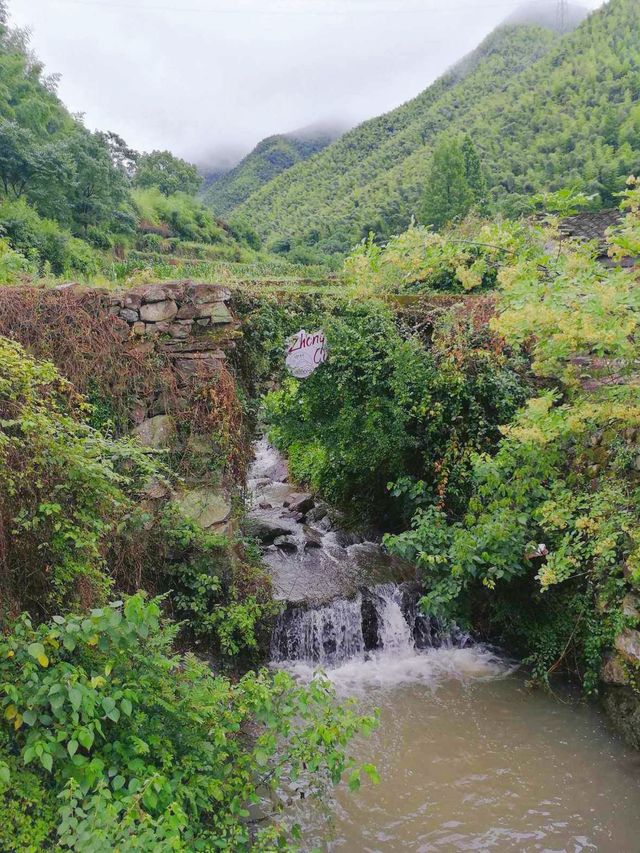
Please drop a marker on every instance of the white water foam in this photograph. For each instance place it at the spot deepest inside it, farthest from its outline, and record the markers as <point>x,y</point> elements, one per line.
<point>428,668</point>
<point>395,662</point>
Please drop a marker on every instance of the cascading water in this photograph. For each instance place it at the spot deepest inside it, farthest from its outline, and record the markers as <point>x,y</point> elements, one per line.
<point>326,636</point>
<point>394,633</point>
<point>378,619</point>
<point>469,759</point>
<point>378,638</point>
<point>336,617</point>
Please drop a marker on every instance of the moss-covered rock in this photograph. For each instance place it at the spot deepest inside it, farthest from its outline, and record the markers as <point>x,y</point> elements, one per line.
<point>622,705</point>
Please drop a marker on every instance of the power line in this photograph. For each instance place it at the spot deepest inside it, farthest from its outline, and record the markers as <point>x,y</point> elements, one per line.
<point>362,10</point>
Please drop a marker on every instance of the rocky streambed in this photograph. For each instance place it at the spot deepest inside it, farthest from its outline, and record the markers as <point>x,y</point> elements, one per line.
<point>312,557</point>
<point>469,758</point>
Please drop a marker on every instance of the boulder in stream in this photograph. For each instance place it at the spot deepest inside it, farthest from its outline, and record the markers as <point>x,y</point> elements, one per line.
<point>286,543</point>
<point>313,538</point>
<point>267,530</point>
<point>300,503</point>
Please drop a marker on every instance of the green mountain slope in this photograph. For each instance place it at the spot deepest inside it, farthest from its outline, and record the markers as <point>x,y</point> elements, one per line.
<point>67,200</point>
<point>543,112</point>
<point>268,159</point>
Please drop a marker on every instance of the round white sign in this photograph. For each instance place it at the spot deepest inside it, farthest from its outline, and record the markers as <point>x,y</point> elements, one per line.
<point>306,351</point>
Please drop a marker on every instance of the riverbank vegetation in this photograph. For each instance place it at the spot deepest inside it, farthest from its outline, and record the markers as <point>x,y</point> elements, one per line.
<point>110,737</point>
<point>524,516</point>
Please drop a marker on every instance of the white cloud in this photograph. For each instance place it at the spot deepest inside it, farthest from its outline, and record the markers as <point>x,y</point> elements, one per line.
<point>203,77</point>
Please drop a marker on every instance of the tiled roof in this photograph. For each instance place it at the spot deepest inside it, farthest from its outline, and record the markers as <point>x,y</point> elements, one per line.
<point>590,225</point>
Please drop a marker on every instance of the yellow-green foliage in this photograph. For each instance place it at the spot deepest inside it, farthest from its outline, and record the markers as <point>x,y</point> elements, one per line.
<point>625,240</point>
<point>566,474</point>
<point>572,308</point>
<point>459,259</point>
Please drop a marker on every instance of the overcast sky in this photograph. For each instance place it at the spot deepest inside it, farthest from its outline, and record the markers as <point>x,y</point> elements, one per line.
<point>205,78</point>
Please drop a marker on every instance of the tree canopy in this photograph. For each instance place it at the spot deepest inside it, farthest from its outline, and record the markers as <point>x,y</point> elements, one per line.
<point>168,173</point>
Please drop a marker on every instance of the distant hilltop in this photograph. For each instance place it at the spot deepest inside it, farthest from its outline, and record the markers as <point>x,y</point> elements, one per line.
<point>545,14</point>
<point>225,190</point>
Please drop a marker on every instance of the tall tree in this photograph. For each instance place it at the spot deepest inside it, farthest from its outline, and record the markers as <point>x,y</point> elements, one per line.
<point>447,194</point>
<point>168,173</point>
<point>99,188</point>
<point>123,157</point>
<point>474,174</point>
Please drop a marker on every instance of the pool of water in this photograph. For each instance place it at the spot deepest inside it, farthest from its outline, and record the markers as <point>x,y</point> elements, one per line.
<point>470,759</point>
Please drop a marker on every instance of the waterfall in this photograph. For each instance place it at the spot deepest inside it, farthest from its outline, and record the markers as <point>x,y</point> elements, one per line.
<point>394,633</point>
<point>383,620</point>
<point>326,635</point>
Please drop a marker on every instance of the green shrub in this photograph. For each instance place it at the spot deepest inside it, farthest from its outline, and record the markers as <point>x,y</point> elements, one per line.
<point>13,265</point>
<point>65,488</point>
<point>135,748</point>
<point>222,600</point>
<point>184,215</point>
<point>385,408</point>
<point>548,546</point>
<point>45,242</point>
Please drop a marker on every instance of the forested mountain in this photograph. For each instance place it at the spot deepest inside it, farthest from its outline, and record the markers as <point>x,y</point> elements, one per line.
<point>269,158</point>
<point>545,13</point>
<point>74,201</point>
<point>542,111</point>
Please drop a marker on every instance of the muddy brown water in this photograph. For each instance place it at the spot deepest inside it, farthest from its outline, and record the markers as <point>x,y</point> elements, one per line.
<point>472,762</point>
<point>469,758</point>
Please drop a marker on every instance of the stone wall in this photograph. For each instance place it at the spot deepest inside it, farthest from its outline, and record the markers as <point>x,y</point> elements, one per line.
<point>191,327</point>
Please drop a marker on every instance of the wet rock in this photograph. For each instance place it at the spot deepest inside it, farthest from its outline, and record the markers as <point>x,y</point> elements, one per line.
<point>301,502</point>
<point>157,312</point>
<point>286,543</point>
<point>622,705</point>
<point>312,538</point>
<point>370,627</point>
<point>345,538</point>
<point>156,432</point>
<point>207,506</point>
<point>267,530</point>
<point>613,670</point>
<point>265,505</point>
<point>317,513</point>
<point>323,523</point>
<point>628,644</point>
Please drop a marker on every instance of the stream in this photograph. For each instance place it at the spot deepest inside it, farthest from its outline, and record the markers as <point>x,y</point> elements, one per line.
<point>469,758</point>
